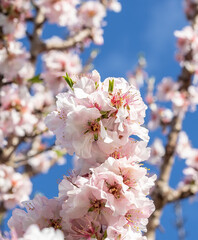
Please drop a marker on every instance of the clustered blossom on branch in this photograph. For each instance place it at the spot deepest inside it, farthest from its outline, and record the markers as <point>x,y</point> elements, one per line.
<point>106,196</point>
<point>14,187</point>
<point>185,151</point>
<point>168,91</point>
<point>25,99</point>
<point>13,15</point>
<point>56,64</point>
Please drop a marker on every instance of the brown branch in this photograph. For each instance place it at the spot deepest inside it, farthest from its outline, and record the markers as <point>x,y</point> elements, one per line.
<point>2,213</point>
<point>69,43</point>
<point>35,40</point>
<point>23,161</point>
<point>185,191</point>
<point>161,191</point>
<point>32,173</point>
<point>89,63</point>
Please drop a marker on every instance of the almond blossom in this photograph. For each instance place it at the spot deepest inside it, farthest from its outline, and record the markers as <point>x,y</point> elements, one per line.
<point>14,62</point>
<point>41,211</point>
<point>14,187</point>
<point>56,63</point>
<point>107,116</point>
<point>166,89</point>
<point>12,17</point>
<point>33,232</point>
<point>188,45</point>
<point>61,12</point>
<point>111,185</point>
<point>183,146</point>
<point>17,110</point>
<point>106,196</point>
<point>157,152</point>
<point>91,14</point>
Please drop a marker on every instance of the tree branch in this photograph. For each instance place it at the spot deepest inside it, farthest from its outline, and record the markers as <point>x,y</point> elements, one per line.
<point>35,40</point>
<point>23,161</point>
<point>2,213</point>
<point>71,42</point>
<point>161,191</point>
<point>185,191</point>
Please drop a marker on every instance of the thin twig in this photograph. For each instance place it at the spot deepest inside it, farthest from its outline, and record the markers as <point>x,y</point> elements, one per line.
<point>23,161</point>
<point>179,221</point>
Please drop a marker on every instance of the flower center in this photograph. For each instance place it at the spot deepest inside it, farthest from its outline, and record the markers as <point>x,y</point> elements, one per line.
<point>117,100</point>
<point>56,224</point>
<point>114,189</point>
<point>95,126</point>
<point>116,155</point>
<point>96,205</point>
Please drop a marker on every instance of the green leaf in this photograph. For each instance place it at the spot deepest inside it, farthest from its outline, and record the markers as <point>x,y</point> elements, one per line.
<point>91,209</point>
<point>86,131</point>
<point>69,81</point>
<point>96,137</point>
<point>59,153</point>
<point>111,85</point>
<point>105,114</point>
<point>35,79</point>
<point>105,235</point>
<point>96,85</point>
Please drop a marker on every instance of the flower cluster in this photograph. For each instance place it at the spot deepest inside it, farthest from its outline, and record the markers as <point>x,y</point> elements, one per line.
<point>94,118</point>
<point>157,152</point>
<point>188,45</point>
<point>25,98</point>
<point>12,17</point>
<point>106,196</point>
<point>169,91</point>
<point>56,63</point>
<point>77,15</point>
<point>14,187</point>
<point>14,62</point>
<point>185,151</point>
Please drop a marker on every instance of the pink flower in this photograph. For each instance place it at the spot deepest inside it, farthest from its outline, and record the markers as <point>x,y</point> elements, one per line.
<point>41,211</point>
<point>166,89</point>
<point>17,110</point>
<point>184,149</point>
<point>91,14</point>
<point>114,5</point>
<point>12,17</point>
<point>84,127</point>
<point>138,217</point>
<point>56,65</point>
<point>157,152</point>
<point>62,12</point>
<point>14,62</point>
<point>33,232</point>
<point>192,159</point>
<point>188,45</point>
<point>14,187</point>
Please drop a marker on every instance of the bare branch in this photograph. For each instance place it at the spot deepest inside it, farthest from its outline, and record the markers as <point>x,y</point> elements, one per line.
<point>23,161</point>
<point>71,42</point>
<point>2,213</point>
<point>185,191</point>
<point>35,40</point>
<point>179,221</point>
<point>31,173</point>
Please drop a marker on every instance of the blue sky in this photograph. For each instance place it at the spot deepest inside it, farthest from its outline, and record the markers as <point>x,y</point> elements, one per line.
<point>142,26</point>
